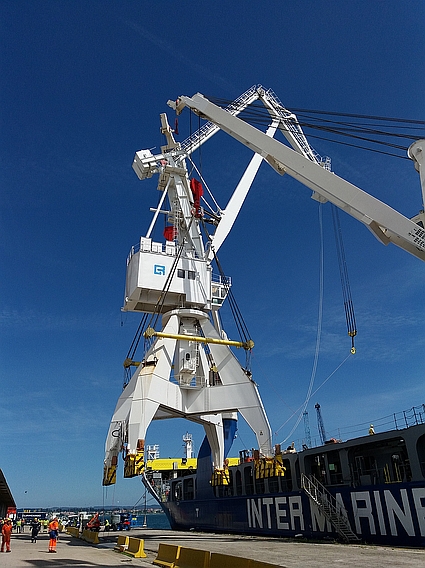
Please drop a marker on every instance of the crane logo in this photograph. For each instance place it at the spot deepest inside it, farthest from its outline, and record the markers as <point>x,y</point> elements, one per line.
<point>159,269</point>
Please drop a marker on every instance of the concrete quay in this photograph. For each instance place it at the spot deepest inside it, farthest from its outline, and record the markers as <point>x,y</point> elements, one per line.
<point>74,552</point>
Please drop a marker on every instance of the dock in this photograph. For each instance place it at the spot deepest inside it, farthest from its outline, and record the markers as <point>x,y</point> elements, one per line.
<point>73,552</point>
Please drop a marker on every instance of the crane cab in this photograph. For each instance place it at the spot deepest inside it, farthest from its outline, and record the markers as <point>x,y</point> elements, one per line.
<point>152,269</point>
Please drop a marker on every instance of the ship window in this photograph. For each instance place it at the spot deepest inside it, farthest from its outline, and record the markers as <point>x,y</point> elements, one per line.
<point>238,483</point>
<point>334,468</point>
<point>191,275</point>
<point>180,273</point>
<point>259,486</point>
<point>188,489</point>
<point>286,480</point>
<point>249,482</point>
<point>177,491</point>
<point>420,448</point>
<point>383,462</point>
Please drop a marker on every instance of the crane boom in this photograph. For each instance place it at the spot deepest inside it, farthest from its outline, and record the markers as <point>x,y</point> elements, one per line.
<point>387,224</point>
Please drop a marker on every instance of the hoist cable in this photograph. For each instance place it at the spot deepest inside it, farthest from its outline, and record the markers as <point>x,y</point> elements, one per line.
<point>319,328</point>
<point>237,314</point>
<point>345,282</point>
<point>160,303</point>
<point>137,336</point>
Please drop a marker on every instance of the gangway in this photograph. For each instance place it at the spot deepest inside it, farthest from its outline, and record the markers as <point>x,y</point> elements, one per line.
<point>330,508</point>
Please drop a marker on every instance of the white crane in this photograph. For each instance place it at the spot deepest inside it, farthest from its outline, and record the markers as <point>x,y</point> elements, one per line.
<point>189,370</point>
<point>385,223</point>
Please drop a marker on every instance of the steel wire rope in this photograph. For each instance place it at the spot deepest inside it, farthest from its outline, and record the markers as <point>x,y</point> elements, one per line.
<point>237,314</point>
<point>315,391</point>
<point>346,133</point>
<point>241,326</point>
<point>261,117</point>
<point>224,102</point>
<point>319,326</point>
<point>345,282</point>
<point>160,303</point>
<point>359,127</point>
<point>258,114</point>
<point>366,148</point>
<point>155,314</point>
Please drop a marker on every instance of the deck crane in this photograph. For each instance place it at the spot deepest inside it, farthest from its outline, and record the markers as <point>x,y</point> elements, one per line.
<point>189,370</point>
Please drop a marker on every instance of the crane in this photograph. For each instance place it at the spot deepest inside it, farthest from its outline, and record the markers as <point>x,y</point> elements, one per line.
<point>190,354</point>
<point>320,424</point>
<point>189,370</point>
<point>387,224</point>
<point>307,429</point>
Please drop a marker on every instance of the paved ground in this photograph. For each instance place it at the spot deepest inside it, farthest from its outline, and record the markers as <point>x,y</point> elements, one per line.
<point>72,552</point>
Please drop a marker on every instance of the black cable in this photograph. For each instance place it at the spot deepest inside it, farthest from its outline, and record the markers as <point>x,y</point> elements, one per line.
<point>256,113</point>
<point>345,281</point>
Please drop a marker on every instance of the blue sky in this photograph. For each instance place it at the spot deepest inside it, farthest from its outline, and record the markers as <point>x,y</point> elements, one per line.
<point>82,87</point>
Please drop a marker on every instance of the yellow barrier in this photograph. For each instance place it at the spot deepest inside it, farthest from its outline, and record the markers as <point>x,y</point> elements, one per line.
<point>73,531</point>
<point>135,548</point>
<point>122,543</point>
<point>192,558</point>
<point>167,555</point>
<point>227,561</point>
<point>90,536</point>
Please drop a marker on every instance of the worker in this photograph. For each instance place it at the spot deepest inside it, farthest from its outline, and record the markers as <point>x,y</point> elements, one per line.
<point>371,430</point>
<point>107,525</point>
<point>35,529</point>
<point>53,534</point>
<point>5,534</point>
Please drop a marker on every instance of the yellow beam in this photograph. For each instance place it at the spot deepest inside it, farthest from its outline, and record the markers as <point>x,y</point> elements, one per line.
<point>150,332</point>
<point>130,363</point>
<point>169,464</point>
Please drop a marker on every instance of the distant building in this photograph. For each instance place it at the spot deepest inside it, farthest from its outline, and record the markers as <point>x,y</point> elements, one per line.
<point>7,502</point>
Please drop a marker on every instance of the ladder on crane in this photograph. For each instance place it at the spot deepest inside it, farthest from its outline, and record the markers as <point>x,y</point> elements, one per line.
<point>330,508</point>
<point>193,142</point>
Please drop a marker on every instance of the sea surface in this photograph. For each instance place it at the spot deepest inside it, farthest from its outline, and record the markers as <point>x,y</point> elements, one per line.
<point>155,521</point>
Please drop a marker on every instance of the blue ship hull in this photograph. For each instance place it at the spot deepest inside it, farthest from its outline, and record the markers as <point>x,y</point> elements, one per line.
<point>392,514</point>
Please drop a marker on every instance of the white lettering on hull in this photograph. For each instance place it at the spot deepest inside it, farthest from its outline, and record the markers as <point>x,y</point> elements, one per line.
<point>394,510</point>
<point>267,505</point>
<point>397,512</point>
<point>362,507</point>
<point>419,500</point>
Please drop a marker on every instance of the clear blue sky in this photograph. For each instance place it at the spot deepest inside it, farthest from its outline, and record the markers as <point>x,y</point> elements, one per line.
<point>82,87</point>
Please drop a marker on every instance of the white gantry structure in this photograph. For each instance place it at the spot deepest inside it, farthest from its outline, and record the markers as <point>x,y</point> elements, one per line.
<point>190,370</point>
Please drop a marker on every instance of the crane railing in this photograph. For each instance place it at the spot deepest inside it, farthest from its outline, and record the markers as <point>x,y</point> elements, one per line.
<point>292,125</point>
<point>193,142</point>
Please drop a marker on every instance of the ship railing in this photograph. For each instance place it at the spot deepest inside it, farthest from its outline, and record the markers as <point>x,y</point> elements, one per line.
<point>398,421</point>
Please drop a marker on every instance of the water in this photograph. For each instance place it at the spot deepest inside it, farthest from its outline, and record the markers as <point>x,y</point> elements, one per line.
<point>154,521</point>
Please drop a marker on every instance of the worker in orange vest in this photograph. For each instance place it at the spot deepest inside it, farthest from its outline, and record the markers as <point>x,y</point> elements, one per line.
<point>5,533</point>
<point>53,533</point>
